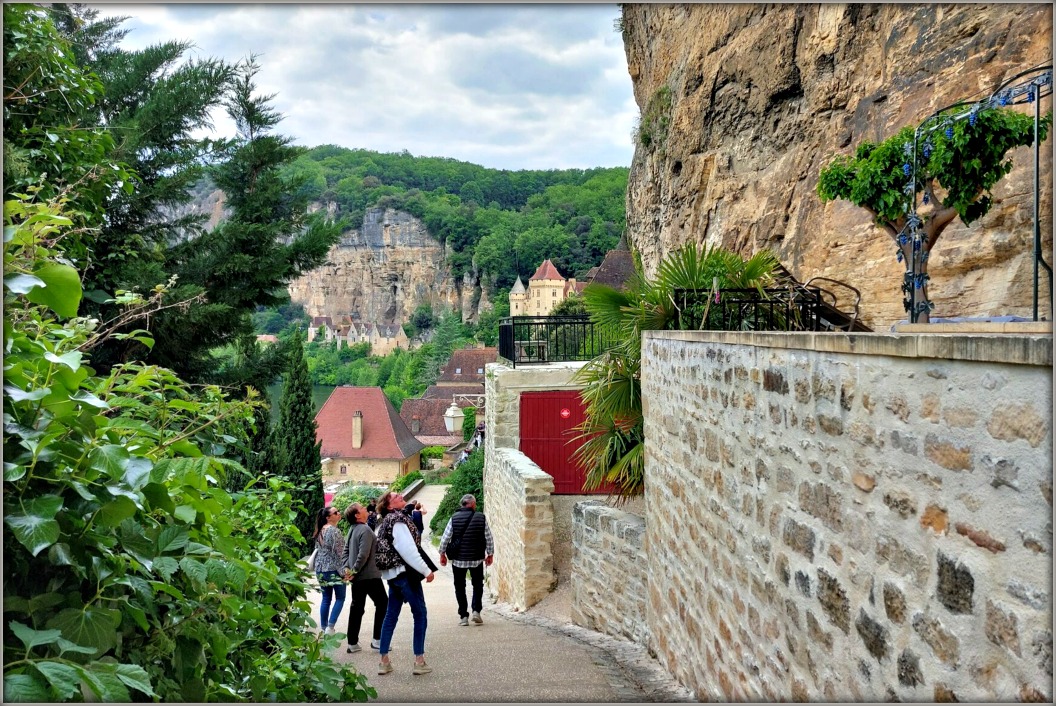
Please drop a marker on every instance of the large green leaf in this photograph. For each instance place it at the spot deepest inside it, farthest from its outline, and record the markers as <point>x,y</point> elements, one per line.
<point>158,497</point>
<point>22,283</point>
<point>195,569</point>
<point>61,291</point>
<point>116,511</point>
<point>90,626</point>
<point>25,688</point>
<point>110,459</point>
<point>64,679</point>
<point>34,524</point>
<point>166,566</point>
<point>104,682</point>
<point>136,677</point>
<point>137,472</point>
<point>172,538</point>
<point>33,638</point>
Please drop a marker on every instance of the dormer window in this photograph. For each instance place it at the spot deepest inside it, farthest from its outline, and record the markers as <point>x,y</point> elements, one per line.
<point>480,371</point>
<point>458,371</point>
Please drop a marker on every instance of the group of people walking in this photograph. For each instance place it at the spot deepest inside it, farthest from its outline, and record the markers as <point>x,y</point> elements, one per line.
<point>389,552</point>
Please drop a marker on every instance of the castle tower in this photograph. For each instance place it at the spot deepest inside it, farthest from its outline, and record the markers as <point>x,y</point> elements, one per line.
<point>518,299</point>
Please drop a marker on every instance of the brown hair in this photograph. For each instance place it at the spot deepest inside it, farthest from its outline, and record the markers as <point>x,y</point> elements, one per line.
<point>382,505</point>
<point>350,513</point>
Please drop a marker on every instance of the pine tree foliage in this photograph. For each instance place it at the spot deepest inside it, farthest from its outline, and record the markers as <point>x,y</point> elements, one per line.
<point>298,451</point>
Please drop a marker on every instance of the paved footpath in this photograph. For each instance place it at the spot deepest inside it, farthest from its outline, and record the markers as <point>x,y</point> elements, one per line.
<point>512,657</point>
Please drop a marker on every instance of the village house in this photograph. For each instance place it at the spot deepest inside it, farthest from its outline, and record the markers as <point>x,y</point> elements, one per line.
<point>546,289</point>
<point>424,416</point>
<point>363,439</point>
<point>383,338</point>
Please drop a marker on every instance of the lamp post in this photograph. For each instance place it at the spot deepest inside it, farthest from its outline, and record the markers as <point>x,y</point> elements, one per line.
<point>453,418</point>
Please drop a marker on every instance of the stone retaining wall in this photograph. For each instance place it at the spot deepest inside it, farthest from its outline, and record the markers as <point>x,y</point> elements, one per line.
<point>860,517</point>
<point>517,494</point>
<point>609,571</point>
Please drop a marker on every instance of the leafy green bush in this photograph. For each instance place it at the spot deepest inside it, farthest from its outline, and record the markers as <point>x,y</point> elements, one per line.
<point>467,478</point>
<point>348,494</point>
<point>432,452</point>
<point>469,422</point>
<point>405,480</point>
<point>131,573</point>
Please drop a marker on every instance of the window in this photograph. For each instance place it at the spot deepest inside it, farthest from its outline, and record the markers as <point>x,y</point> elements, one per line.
<point>458,371</point>
<point>344,470</point>
<point>553,293</point>
<point>480,371</point>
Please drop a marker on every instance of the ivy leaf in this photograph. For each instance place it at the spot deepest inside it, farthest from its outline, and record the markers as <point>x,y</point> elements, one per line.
<point>33,638</point>
<point>85,397</point>
<point>105,683</point>
<point>22,283</point>
<point>158,497</point>
<point>61,291</point>
<point>63,678</point>
<point>110,459</point>
<point>116,511</point>
<point>137,472</point>
<point>94,627</point>
<point>13,471</point>
<point>136,677</point>
<point>59,554</point>
<point>34,524</point>
<point>186,513</point>
<point>25,688</point>
<point>71,360</point>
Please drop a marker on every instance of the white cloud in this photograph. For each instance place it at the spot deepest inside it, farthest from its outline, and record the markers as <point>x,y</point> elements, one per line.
<point>506,86</point>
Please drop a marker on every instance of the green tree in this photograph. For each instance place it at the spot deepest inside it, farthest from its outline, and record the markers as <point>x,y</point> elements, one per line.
<point>613,433</point>
<point>296,439</point>
<point>955,168</point>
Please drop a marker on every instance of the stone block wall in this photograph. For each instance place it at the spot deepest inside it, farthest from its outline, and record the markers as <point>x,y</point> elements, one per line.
<point>860,517</point>
<point>517,500</point>
<point>609,571</point>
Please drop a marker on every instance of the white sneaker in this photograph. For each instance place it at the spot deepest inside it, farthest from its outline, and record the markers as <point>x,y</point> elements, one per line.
<point>375,644</point>
<point>354,647</point>
<point>477,619</point>
<point>329,630</point>
<point>463,621</point>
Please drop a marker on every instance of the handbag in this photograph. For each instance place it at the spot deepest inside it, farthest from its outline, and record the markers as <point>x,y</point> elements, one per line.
<point>311,559</point>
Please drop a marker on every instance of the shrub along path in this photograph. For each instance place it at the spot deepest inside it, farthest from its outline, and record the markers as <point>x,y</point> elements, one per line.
<point>510,658</point>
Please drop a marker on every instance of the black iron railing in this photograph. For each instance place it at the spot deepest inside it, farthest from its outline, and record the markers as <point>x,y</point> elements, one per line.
<point>550,339</point>
<point>774,309</point>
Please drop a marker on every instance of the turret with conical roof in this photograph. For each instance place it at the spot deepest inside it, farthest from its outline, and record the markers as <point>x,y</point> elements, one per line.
<point>518,299</point>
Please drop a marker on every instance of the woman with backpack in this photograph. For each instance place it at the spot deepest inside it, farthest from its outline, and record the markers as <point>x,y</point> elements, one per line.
<point>399,556</point>
<point>329,567</point>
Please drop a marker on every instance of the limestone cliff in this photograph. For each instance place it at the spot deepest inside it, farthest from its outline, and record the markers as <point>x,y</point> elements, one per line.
<point>383,271</point>
<point>744,104</point>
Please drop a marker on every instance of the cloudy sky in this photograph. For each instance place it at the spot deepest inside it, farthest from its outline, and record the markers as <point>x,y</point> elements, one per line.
<point>504,86</point>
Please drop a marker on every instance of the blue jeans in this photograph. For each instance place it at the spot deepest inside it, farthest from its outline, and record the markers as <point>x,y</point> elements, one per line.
<point>332,585</point>
<point>403,590</point>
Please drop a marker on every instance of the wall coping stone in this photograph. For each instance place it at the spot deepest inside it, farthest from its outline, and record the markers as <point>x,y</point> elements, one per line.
<point>1026,349</point>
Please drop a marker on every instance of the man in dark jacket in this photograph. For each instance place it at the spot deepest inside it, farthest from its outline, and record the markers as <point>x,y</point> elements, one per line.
<point>467,542</point>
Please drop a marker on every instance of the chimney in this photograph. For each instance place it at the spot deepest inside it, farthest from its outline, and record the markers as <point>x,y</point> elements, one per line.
<point>357,430</point>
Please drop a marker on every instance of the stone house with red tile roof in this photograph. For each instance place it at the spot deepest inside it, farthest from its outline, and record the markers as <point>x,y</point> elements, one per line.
<point>363,438</point>
<point>466,367</point>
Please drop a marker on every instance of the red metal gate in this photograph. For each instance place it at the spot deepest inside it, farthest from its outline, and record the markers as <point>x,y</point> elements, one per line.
<point>548,421</point>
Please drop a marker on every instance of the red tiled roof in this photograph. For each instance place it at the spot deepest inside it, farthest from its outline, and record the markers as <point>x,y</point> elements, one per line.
<point>445,441</point>
<point>430,413</point>
<point>385,436</point>
<point>318,321</point>
<point>468,360</point>
<point>446,391</point>
<point>546,271</point>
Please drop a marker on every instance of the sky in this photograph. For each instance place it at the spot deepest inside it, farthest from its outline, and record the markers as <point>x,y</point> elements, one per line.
<point>530,86</point>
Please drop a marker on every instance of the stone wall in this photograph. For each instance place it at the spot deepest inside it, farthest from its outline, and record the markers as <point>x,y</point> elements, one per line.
<point>609,571</point>
<point>517,498</point>
<point>861,517</point>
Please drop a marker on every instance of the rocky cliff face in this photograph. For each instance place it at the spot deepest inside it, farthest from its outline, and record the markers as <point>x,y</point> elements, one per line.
<point>743,105</point>
<point>383,271</point>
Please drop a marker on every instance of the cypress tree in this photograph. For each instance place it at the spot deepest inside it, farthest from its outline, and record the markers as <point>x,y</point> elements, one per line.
<point>298,450</point>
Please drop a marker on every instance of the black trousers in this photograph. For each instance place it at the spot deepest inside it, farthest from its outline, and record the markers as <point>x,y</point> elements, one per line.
<point>476,575</point>
<point>375,588</point>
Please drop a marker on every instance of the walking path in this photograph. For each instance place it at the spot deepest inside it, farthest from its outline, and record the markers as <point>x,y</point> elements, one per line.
<point>512,657</point>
